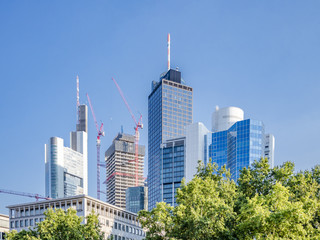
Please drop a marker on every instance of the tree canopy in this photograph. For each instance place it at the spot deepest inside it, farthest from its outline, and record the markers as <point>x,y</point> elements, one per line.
<point>61,225</point>
<point>265,203</point>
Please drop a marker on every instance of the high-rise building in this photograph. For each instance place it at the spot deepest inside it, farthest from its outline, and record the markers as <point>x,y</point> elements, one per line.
<point>137,199</point>
<point>269,148</point>
<point>169,112</point>
<point>238,143</point>
<point>172,168</point>
<point>121,168</point>
<point>224,118</point>
<point>197,143</point>
<point>66,169</point>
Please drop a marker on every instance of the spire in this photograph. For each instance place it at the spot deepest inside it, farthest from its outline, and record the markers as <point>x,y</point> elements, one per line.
<point>168,51</point>
<point>78,101</point>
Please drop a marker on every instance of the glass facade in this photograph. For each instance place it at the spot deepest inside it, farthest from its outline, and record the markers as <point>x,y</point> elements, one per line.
<point>173,169</point>
<point>136,199</point>
<point>238,146</point>
<point>169,112</point>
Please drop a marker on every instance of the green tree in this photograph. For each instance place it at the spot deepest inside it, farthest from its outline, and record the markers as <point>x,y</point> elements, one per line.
<point>62,225</point>
<point>264,204</point>
<point>204,211</point>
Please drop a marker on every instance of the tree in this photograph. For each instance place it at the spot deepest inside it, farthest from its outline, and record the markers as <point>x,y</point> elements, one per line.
<point>205,209</point>
<point>264,204</point>
<point>60,224</point>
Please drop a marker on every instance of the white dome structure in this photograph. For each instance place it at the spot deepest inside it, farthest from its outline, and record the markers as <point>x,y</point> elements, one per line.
<point>224,118</point>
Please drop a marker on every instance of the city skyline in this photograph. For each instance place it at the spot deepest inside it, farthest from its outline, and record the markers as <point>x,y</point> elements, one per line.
<point>261,57</point>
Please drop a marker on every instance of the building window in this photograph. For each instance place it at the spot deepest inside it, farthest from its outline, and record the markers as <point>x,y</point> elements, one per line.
<point>31,222</point>
<point>26,223</point>
<point>21,223</point>
<point>115,226</point>
<point>12,224</point>
<point>16,224</point>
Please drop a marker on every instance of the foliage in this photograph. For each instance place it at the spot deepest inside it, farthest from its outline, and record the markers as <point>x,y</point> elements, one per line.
<point>264,204</point>
<point>60,224</point>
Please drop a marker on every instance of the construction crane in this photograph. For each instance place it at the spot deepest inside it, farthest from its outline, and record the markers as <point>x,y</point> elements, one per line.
<point>99,135</point>
<point>31,195</point>
<point>138,124</point>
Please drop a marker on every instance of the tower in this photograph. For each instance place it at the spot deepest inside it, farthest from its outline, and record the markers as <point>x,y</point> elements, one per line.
<point>66,169</point>
<point>120,164</point>
<point>169,112</point>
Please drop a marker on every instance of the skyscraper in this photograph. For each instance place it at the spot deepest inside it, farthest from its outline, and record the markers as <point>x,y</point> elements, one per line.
<point>238,144</point>
<point>66,169</point>
<point>269,148</point>
<point>137,199</point>
<point>197,143</point>
<point>172,168</point>
<point>120,164</point>
<point>169,112</point>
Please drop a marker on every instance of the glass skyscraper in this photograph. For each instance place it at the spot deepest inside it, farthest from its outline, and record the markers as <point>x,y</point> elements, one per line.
<point>172,168</point>
<point>169,112</point>
<point>137,199</point>
<point>238,146</point>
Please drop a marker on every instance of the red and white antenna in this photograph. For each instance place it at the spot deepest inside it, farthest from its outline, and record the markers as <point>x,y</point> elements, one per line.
<point>168,51</point>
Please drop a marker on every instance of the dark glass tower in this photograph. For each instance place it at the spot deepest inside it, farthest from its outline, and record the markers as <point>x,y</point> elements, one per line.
<point>169,112</point>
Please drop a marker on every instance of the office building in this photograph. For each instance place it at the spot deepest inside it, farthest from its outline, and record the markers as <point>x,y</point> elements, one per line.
<point>4,225</point>
<point>239,143</point>
<point>224,118</point>
<point>269,148</point>
<point>114,221</point>
<point>197,142</point>
<point>169,112</point>
<point>137,199</point>
<point>121,168</point>
<point>66,169</point>
<point>172,168</point>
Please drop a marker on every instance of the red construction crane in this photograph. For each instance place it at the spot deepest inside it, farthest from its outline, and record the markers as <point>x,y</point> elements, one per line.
<point>136,128</point>
<point>99,135</point>
<point>32,195</point>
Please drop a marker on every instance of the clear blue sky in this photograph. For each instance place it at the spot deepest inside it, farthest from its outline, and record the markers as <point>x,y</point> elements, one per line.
<point>261,56</point>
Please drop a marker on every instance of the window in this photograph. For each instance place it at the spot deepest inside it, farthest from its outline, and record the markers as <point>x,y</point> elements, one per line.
<point>21,223</point>
<point>115,226</point>
<point>12,224</point>
<point>31,222</point>
<point>36,220</point>
<point>16,224</point>
<point>26,223</point>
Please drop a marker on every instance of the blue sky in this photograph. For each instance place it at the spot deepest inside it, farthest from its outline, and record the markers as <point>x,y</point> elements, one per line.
<point>261,56</point>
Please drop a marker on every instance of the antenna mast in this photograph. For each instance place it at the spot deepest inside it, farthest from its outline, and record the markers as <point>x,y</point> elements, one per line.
<point>78,101</point>
<point>168,51</point>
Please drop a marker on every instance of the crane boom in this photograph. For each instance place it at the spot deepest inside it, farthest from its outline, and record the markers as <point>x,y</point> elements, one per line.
<point>125,101</point>
<point>94,116</point>
<point>32,195</point>
<point>136,128</point>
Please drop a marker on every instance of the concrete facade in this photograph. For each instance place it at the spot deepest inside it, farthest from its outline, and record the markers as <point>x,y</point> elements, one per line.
<point>4,225</point>
<point>196,148</point>
<point>120,167</point>
<point>114,221</point>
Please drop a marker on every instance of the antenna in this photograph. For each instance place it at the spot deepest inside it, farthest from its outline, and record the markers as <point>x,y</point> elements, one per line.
<point>168,51</point>
<point>78,100</point>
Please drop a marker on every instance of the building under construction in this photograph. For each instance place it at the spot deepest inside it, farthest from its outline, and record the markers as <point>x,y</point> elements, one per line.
<point>122,168</point>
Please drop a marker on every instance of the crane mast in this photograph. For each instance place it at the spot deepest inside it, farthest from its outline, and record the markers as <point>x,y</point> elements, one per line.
<point>100,133</point>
